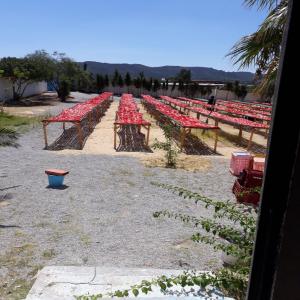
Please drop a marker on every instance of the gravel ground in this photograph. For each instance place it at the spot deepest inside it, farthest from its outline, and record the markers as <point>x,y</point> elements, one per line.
<point>102,217</point>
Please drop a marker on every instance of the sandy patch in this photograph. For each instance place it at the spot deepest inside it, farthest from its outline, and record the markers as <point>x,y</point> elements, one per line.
<point>101,142</point>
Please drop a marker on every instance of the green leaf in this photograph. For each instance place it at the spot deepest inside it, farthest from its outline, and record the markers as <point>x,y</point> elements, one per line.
<point>162,285</point>
<point>118,293</point>
<point>135,292</point>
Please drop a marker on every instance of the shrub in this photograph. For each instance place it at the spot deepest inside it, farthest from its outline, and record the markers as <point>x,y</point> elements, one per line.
<point>64,89</point>
<point>169,146</point>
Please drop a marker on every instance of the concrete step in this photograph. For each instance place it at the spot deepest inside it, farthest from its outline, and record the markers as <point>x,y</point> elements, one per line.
<point>65,282</point>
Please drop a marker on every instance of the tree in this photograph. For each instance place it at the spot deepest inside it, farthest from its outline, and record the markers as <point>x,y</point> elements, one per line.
<point>145,83</point>
<point>128,81</point>
<point>21,72</point>
<point>208,90</point>
<point>85,82</point>
<point>263,47</point>
<point>100,83</point>
<point>180,86</point>
<point>184,75</point>
<point>163,86</point>
<point>106,80</point>
<point>62,71</point>
<point>241,92</point>
<point>142,80</point>
<point>184,79</point>
<point>64,89</point>
<point>15,70</point>
<point>193,89</point>
<point>137,83</point>
<point>167,85</point>
<point>173,86</point>
<point>236,88</point>
<point>150,84</point>
<point>156,85</point>
<point>115,78</point>
<point>120,81</point>
<point>229,88</point>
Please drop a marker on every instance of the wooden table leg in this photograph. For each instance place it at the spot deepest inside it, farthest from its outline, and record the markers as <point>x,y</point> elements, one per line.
<point>80,135</point>
<point>45,133</point>
<point>266,133</point>
<point>216,140</point>
<point>115,136</point>
<point>240,132</point>
<point>148,134</point>
<point>182,138</point>
<point>250,139</point>
<point>90,121</point>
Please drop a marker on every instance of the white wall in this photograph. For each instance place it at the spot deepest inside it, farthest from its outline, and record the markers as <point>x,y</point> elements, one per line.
<point>137,92</point>
<point>225,95</point>
<point>219,94</point>
<point>32,89</point>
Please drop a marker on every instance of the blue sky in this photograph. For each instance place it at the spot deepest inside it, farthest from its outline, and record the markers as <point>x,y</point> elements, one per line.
<point>150,32</point>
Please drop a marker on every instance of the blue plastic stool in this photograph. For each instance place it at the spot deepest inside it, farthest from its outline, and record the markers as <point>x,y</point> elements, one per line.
<point>55,180</point>
<point>56,177</point>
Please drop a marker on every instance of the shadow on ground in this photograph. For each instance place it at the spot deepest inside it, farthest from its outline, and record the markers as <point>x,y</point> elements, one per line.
<point>69,137</point>
<point>38,100</point>
<point>62,187</point>
<point>193,145</point>
<point>242,142</point>
<point>131,140</point>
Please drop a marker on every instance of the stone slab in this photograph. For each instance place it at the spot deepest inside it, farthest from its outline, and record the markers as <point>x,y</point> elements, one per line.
<point>65,282</point>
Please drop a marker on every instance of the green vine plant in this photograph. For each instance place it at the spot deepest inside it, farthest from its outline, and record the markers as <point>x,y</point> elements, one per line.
<point>236,240</point>
<point>256,189</point>
<point>169,146</point>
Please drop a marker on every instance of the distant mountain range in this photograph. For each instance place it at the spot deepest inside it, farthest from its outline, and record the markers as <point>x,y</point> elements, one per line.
<point>198,73</point>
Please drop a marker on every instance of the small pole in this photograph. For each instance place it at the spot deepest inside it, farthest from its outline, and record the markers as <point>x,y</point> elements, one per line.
<point>240,133</point>
<point>148,134</point>
<point>266,133</point>
<point>250,139</point>
<point>182,137</point>
<point>90,121</point>
<point>115,136</point>
<point>216,140</point>
<point>80,136</point>
<point>45,133</point>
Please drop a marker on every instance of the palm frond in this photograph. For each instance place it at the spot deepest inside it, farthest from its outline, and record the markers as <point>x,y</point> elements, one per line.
<point>267,85</point>
<point>264,44</point>
<point>262,48</point>
<point>262,3</point>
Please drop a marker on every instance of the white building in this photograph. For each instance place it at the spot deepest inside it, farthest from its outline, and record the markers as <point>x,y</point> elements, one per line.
<point>32,89</point>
